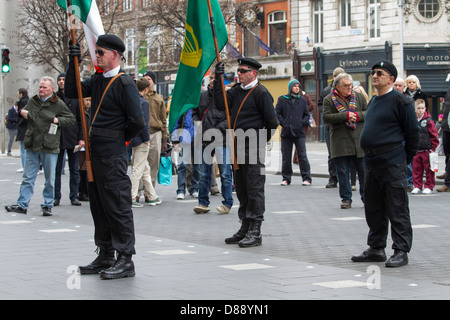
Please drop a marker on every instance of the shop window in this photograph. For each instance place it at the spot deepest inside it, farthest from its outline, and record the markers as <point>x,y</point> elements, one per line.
<point>318,21</point>
<point>277,31</point>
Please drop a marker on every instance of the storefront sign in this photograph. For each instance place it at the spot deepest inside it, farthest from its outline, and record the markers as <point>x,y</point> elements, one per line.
<point>416,58</point>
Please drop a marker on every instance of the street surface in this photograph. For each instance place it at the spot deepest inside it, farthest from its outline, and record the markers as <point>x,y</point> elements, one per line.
<point>307,245</point>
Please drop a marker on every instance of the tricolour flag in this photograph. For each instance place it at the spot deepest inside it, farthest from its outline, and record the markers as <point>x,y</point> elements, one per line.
<point>197,55</point>
<point>87,12</point>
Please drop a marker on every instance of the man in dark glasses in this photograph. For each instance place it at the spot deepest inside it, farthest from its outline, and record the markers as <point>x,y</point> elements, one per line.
<point>252,114</point>
<point>118,119</point>
<point>389,140</point>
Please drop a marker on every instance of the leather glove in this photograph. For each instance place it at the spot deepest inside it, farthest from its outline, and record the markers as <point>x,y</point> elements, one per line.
<point>220,68</point>
<point>74,51</point>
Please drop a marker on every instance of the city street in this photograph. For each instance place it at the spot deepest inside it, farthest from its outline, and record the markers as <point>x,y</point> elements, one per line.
<point>308,241</point>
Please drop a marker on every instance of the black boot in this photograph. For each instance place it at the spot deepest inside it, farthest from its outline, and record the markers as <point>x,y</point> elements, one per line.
<point>124,267</point>
<point>238,236</point>
<point>104,261</point>
<point>253,237</point>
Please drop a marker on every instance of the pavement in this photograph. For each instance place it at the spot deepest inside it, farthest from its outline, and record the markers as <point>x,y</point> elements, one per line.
<point>181,256</point>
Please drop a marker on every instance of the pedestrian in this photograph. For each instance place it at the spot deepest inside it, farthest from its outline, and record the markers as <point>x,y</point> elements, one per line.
<point>214,127</point>
<point>158,130</point>
<point>400,86</point>
<point>440,148</point>
<point>183,140</point>
<point>293,116</point>
<point>428,143</point>
<point>71,137</point>
<point>116,118</point>
<point>389,140</point>
<point>344,110</point>
<point>414,90</point>
<point>22,95</point>
<point>46,115</point>
<point>332,180</point>
<point>251,114</point>
<point>140,147</point>
<point>445,127</point>
<point>83,193</point>
<point>12,123</point>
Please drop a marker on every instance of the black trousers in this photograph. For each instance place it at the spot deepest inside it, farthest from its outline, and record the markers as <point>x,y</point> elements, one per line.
<point>286,156</point>
<point>386,200</point>
<point>74,178</point>
<point>110,203</point>
<point>250,181</point>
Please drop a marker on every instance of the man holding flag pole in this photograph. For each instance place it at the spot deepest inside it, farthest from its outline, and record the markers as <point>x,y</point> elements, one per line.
<point>116,117</point>
<point>259,115</point>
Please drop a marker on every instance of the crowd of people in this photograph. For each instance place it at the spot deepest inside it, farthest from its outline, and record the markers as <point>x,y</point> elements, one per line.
<point>385,141</point>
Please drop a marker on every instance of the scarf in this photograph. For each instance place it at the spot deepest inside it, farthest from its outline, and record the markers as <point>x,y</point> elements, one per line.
<point>341,108</point>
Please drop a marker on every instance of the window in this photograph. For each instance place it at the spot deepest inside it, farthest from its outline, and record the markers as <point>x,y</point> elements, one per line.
<point>428,8</point>
<point>107,7</point>
<point>154,41</point>
<point>129,47</point>
<point>346,13</point>
<point>374,18</point>
<point>318,21</point>
<point>251,46</point>
<point>126,5</point>
<point>277,31</point>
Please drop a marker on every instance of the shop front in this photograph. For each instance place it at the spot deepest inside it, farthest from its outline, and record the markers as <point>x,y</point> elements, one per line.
<point>432,66</point>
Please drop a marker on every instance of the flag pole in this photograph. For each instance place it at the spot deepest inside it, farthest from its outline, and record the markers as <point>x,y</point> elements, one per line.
<point>90,173</point>
<point>224,94</point>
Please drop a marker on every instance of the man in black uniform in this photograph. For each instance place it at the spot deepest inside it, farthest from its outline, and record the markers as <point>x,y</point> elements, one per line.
<point>118,119</point>
<point>252,111</point>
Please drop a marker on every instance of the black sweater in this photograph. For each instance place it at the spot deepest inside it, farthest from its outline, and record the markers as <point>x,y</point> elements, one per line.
<point>390,119</point>
<point>120,110</point>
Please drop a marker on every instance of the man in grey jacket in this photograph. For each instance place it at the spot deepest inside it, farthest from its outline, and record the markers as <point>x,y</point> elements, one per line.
<point>46,114</point>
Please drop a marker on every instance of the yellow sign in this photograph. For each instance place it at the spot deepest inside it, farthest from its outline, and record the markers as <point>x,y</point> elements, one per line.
<point>191,54</point>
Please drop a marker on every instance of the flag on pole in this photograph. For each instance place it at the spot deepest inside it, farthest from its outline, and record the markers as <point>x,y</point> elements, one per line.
<point>197,55</point>
<point>87,12</point>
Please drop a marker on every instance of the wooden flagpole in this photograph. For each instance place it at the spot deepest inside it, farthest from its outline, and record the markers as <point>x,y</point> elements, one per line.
<point>80,97</point>
<point>224,94</point>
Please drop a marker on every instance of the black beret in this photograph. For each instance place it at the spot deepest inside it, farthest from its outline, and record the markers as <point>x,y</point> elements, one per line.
<point>388,66</point>
<point>112,42</point>
<point>152,75</point>
<point>249,62</point>
<point>61,75</point>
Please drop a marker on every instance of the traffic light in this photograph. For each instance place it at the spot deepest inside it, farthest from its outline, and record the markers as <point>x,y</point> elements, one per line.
<point>5,60</point>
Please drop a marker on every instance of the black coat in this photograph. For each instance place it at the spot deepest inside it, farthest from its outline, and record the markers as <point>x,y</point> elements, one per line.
<point>209,115</point>
<point>293,115</point>
<point>72,134</point>
<point>23,123</point>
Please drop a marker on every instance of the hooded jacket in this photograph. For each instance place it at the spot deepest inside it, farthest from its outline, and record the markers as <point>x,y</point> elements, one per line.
<point>292,113</point>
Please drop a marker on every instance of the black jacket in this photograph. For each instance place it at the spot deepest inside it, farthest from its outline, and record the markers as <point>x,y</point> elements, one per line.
<point>23,123</point>
<point>209,115</point>
<point>293,116</point>
<point>120,117</point>
<point>72,134</point>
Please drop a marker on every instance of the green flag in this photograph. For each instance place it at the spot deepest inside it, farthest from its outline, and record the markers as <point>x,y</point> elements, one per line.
<point>197,56</point>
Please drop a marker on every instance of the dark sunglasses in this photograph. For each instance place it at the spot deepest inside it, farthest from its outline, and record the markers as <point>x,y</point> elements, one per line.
<point>101,52</point>
<point>379,73</point>
<point>244,70</point>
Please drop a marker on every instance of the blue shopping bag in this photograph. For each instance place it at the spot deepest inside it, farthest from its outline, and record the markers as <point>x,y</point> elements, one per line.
<point>165,171</point>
